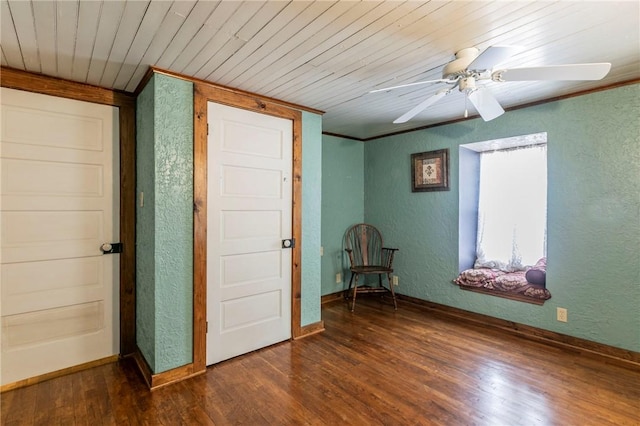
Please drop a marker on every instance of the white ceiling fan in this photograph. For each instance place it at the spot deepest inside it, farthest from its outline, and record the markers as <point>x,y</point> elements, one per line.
<point>471,66</point>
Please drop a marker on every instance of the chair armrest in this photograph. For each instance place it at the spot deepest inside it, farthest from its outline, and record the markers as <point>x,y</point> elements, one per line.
<point>350,252</point>
<point>387,256</point>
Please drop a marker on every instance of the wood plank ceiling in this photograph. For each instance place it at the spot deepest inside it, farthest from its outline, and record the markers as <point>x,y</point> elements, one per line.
<point>325,55</point>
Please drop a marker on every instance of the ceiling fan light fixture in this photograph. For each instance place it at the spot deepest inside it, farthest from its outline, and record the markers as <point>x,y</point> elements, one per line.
<point>467,84</point>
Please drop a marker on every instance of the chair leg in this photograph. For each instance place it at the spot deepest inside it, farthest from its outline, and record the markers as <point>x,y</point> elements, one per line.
<point>346,293</point>
<point>355,290</point>
<point>393,293</point>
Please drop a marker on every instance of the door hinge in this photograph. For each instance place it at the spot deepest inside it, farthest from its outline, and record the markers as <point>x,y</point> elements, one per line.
<point>207,327</point>
<point>207,129</point>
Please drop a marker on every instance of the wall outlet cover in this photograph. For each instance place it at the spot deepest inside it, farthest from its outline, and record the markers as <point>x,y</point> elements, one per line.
<point>562,314</point>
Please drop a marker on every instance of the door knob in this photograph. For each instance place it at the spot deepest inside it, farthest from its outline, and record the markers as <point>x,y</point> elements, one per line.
<point>111,248</point>
<point>289,243</point>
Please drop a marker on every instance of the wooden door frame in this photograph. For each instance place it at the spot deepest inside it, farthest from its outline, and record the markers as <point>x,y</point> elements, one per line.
<point>126,103</point>
<point>202,94</point>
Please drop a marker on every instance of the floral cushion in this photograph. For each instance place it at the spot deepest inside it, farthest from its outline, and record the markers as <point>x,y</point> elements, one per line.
<point>478,277</point>
<point>510,281</point>
<point>507,282</point>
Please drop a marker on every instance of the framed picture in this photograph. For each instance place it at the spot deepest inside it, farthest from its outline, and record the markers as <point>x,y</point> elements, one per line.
<point>430,171</point>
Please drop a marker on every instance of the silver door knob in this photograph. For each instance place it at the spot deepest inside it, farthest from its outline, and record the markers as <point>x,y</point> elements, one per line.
<point>289,243</point>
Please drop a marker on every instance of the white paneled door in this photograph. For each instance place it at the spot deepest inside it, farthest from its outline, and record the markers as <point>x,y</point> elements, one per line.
<point>249,215</point>
<point>59,204</point>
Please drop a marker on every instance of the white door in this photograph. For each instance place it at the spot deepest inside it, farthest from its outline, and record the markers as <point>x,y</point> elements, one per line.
<point>249,213</point>
<point>59,205</point>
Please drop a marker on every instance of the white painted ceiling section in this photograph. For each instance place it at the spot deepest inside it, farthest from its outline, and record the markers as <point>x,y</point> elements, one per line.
<point>325,55</point>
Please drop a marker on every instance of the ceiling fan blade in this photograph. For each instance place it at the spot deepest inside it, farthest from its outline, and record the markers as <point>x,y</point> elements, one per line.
<point>486,105</point>
<point>493,56</point>
<point>596,71</point>
<point>421,106</point>
<point>386,89</point>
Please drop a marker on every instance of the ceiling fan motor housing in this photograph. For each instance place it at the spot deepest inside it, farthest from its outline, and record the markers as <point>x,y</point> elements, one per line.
<point>458,67</point>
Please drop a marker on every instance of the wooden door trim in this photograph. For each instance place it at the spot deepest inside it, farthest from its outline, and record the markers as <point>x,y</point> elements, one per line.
<point>273,101</point>
<point>203,93</point>
<point>37,83</point>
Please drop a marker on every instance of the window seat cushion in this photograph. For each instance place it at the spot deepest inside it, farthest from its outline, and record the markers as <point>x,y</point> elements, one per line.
<point>500,281</point>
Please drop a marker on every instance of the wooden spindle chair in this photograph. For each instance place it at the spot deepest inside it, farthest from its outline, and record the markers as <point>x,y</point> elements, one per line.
<point>367,255</point>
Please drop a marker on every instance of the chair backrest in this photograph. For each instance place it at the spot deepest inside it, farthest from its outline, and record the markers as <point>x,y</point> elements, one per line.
<point>365,242</point>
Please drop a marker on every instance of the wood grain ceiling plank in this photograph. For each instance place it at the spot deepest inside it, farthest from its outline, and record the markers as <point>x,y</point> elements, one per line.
<point>149,27</point>
<point>66,28</point>
<point>167,30</point>
<point>626,71</point>
<point>217,22</point>
<point>245,34</point>
<point>271,46</point>
<point>352,44</point>
<point>199,14</point>
<point>88,19</point>
<point>346,82</point>
<point>110,17</point>
<point>513,27</point>
<point>9,38</point>
<point>309,38</point>
<point>44,14</point>
<point>373,47</point>
<point>127,30</point>
<point>354,35</point>
<point>290,65</point>
<point>226,33</point>
<point>313,77</point>
<point>266,13</point>
<point>24,25</point>
<point>272,27</point>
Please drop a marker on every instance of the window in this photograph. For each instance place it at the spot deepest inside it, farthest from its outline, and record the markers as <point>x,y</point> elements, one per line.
<point>512,208</point>
<point>503,203</point>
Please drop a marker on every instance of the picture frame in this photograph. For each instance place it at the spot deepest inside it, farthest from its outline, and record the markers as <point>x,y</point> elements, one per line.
<point>430,171</point>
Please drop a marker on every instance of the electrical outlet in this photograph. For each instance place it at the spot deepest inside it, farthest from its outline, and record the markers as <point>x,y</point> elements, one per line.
<point>562,314</point>
<point>395,280</point>
<point>338,278</point>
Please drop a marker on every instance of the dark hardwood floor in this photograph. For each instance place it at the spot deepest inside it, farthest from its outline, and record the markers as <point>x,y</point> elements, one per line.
<point>374,366</point>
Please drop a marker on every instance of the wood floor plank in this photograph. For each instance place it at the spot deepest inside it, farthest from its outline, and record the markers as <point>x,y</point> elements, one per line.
<point>372,366</point>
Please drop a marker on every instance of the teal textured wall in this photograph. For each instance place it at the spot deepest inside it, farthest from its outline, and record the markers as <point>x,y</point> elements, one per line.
<point>342,204</point>
<point>145,225</point>
<point>164,229</point>
<point>311,216</point>
<point>593,214</point>
<point>173,221</point>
